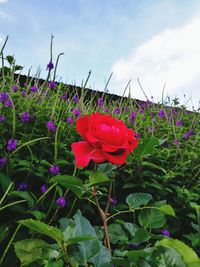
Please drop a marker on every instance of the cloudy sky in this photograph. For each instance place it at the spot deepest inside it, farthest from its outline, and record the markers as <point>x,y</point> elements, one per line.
<point>155,41</point>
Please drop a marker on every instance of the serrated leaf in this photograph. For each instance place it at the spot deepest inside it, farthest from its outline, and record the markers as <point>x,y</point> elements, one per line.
<point>167,209</point>
<point>151,218</point>
<point>136,200</point>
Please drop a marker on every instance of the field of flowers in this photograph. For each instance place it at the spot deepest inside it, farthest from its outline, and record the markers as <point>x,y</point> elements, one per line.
<point>92,181</point>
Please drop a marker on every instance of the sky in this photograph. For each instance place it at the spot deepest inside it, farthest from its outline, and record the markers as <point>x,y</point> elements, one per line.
<point>154,41</point>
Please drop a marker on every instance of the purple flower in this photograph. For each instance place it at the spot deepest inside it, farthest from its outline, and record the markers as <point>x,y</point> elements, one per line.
<point>51,126</point>
<point>43,188</point>
<point>117,111</point>
<point>137,135</point>
<point>2,118</point>
<point>179,123</point>
<point>8,104</point>
<point>191,132</point>
<point>3,97</point>
<point>54,169</point>
<point>165,232</point>
<point>2,162</point>
<point>77,112</point>
<point>126,108</point>
<point>24,84</point>
<point>100,102</point>
<point>33,89</point>
<point>23,93</point>
<point>161,113</point>
<point>70,120</point>
<point>113,200</point>
<point>15,88</point>
<point>25,117</point>
<point>174,111</point>
<point>61,202</point>
<point>132,116</point>
<point>11,145</point>
<point>76,99</point>
<point>22,187</point>
<point>176,142</point>
<point>106,110</point>
<point>64,96</point>
<point>50,65</point>
<point>52,85</point>
<point>185,136</point>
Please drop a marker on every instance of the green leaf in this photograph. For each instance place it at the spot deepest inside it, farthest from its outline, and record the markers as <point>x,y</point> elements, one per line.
<point>151,165</point>
<point>54,264</point>
<point>38,214</point>
<point>188,255</point>
<point>10,59</point>
<point>146,146</point>
<point>151,218</point>
<point>5,181</point>
<point>29,250</point>
<point>97,177</point>
<point>138,254</point>
<point>89,248</point>
<point>141,236</point>
<point>167,209</point>
<point>131,228</point>
<point>136,200</point>
<point>44,228</point>
<point>23,195</point>
<point>117,234</point>
<point>71,182</point>
<point>103,258</point>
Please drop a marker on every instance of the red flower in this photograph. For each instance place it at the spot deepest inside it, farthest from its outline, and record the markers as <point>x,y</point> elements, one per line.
<point>106,139</point>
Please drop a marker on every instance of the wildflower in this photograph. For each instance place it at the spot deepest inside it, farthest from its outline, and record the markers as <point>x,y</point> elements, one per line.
<point>52,85</point>
<point>126,108</point>
<point>179,123</point>
<point>51,126</point>
<point>8,104</point>
<point>113,200</point>
<point>3,97</point>
<point>33,89</point>
<point>54,169</point>
<point>117,111</point>
<point>165,232</point>
<point>12,144</point>
<point>25,117</point>
<point>2,118</point>
<point>100,102</point>
<point>132,116</point>
<point>191,132</point>
<point>76,99</point>
<point>141,111</point>
<point>43,188</point>
<point>64,96</point>
<point>22,187</point>
<point>161,113</point>
<point>15,88</point>
<point>23,93</point>
<point>70,120</point>
<point>50,65</point>
<point>137,135</point>
<point>106,110</point>
<point>148,103</point>
<point>2,162</point>
<point>24,84</point>
<point>185,136</point>
<point>176,142</point>
<point>61,202</point>
<point>174,111</point>
<point>77,112</point>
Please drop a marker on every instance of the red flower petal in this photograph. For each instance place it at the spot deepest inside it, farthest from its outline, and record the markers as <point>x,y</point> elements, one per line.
<point>82,125</point>
<point>82,152</point>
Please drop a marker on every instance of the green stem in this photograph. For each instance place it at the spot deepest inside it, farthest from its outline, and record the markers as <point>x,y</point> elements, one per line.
<point>7,190</point>
<point>12,204</point>
<point>44,195</point>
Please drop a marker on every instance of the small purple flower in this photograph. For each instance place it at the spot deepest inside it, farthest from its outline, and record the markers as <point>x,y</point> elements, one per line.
<point>132,116</point>
<point>77,112</point>
<point>106,110</point>
<point>117,111</point>
<point>15,88</point>
<point>161,113</point>
<point>113,201</point>
<point>165,232</point>
<point>54,169</point>
<point>137,135</point>
<point>50,65</point>
<point>2,118</point>
<point>24,85</point>
<point>51,126</point>
<point>100,102</point>
<point>174,111</point>
<point>11,145</point>
<point>2,162</point>
<point>3,97</point>
<point>61,202</point>
<point>76,99</point>
<point>70,120</point>
<point>191,132</point>
<point>33,89</point>
<point>8,104</point>
<point>43,188</point>
<point>52,85</point>
<point>25,117</point>
<point>185,136</point>
<point>23,93</point>
<point>179,123</point>
<point>64,96</point>
<point>126,108</point>
<point>176,142</point>
<point>22,187</point>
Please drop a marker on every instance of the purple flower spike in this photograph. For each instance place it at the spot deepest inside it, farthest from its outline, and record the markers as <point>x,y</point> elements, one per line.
<point>43,188</point>
<point>52,85</point>
<point>3,97</point>
<point>51,126</point>
<point>61,202</point>
<point>179,123</point>
<point>165,232</point>
<point>100,102</point>
<point>33,89</point>
<point>23,93</point>
<point>25,117</point>
<point>22,187</point>
<point>176,142</point>
<point>11,145</point>
<point>8,104</point>
<point>50,65</point>
<point>2,118</point>
<point>113,200</point>
<point>161,113</point>
<point>2,162</point>
<point>54,169</point>
<point>70,120</point>
<point>117,111</point>
<point>137,135</point>
<point>76,99</point>
<point>77,112</point>
<point>15,88</point>
<point>133,116</point>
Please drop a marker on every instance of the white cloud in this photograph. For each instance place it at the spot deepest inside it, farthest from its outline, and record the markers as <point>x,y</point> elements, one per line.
<point>171,57</point>
<point>3,1</point>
